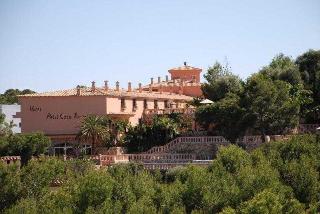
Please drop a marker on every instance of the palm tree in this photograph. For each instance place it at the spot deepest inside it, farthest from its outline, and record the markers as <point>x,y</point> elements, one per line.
<point>94,128</point>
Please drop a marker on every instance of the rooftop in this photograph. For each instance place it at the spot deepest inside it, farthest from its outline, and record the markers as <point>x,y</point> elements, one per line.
<point>172,83</point>
<point>87,91</point>
<point>185,67</point>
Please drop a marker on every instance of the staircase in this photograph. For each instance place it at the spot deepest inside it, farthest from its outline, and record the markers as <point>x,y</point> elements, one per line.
<point>203,139</point>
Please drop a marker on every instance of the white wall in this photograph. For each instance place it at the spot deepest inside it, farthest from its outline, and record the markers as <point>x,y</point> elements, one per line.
<point>9,111</point>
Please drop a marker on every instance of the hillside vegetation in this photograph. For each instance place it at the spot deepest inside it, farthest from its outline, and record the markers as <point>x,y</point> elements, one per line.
<point>279,177</point>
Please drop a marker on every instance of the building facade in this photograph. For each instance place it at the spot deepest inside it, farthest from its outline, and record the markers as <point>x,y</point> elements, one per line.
<point>59,113</point>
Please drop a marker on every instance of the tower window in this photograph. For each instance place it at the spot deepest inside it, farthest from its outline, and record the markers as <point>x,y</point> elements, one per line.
<point>166,104</point>
<point>123,104</point>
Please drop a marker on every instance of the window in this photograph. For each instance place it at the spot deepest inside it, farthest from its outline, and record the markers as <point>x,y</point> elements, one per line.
<point>145,104</point>
<point>166,104</point>
<point>123,104</point>
<point>155,104</point>
<point>134,105</point>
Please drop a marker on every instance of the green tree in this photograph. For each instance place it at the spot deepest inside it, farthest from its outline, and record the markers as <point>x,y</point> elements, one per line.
<point>94,129</point>
<point>26,206</point>
<point>227,117</point>
<point>10,95</point>
<point>39,174</point>
<point>27,145</point>
<point>5,128</point>
<point>283,68</point>
<point>92,190</point>
<point>142,137</point>
<point>10,185</point>
<point>183,121</point>
<point>220,82</point>
<point>271,105</point>
<point>309,67</point>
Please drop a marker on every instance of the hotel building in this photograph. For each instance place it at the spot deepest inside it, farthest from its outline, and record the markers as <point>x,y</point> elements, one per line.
<point>58,114</point>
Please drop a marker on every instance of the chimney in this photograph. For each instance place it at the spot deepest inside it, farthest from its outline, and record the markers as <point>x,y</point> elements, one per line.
<point>106,87</point>
<point>150,88</point>
<point>78,90</point>
<point>93,86</point>
<point>185,63</point>
<point>140,87</point>
<point>151,80</point>
<point>167,78</point>
<point>159,79</point>
<point>117,86</point>
<point>129,86</point>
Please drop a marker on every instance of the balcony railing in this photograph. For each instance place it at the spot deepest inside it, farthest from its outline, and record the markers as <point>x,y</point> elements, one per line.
<point>169,111</point>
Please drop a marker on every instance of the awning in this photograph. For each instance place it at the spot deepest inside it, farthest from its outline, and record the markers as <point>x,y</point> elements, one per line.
<point>206,101</point>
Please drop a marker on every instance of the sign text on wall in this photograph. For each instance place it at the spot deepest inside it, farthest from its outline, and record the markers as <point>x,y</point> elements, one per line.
<point>63,116</point>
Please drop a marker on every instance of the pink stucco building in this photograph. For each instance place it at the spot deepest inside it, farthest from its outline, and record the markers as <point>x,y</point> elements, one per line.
<point>58,113</point>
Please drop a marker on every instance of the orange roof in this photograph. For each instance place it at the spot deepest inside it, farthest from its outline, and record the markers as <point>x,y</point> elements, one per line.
<point>111,92</point>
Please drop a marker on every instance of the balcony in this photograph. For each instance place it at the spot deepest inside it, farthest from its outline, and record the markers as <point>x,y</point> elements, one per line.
<point>169,111</point>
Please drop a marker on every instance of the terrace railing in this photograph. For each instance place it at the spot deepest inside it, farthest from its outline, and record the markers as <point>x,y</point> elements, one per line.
<point>169,111</point>
<point>105,160</point>
<point>218,140</point>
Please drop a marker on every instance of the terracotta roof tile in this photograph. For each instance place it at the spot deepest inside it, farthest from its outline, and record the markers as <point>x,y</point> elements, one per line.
<point>110,92</point>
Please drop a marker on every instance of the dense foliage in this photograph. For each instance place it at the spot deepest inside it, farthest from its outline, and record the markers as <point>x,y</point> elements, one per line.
<point>279,177</point>
<point>144,136</point>
<point>309,67</point>
<point>227,117</point>
<point>269,102</point>
<point>272,101</point>
<point>24,145</point>
<point>102,131</point>
<point>220,82</point>
<point>5,127</point>
<point>10,95</point>
<point>95,129</point>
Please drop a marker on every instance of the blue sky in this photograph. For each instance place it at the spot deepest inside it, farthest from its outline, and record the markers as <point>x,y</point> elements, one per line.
<point>47,45</point>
